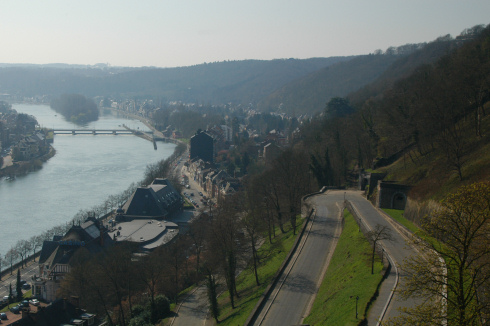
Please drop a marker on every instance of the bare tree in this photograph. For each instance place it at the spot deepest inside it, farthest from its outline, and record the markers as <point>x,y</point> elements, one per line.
<point>11,256</point>
<point>453,278</point>
<point>252,223</point>
<point>380,233</point>
<point>226,241</point>
<point>198,230</point>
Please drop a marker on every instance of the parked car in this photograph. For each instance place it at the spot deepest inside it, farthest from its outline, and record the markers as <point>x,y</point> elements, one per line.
<point>26,286</point>
<point>24,303</point>
<point>3,316</point>
<point>15,309</point>
<point>34,302</point>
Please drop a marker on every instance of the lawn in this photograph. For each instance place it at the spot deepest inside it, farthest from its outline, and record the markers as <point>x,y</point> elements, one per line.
<point>348,276</point>
<point>273,256</point>
<point>26,295</point>
<point>397,215</point>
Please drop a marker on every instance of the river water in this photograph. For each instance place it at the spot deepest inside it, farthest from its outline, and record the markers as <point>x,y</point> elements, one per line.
<point>84,172</point>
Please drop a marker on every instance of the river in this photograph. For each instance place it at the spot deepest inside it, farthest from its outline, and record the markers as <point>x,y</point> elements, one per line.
<point>84,172</point>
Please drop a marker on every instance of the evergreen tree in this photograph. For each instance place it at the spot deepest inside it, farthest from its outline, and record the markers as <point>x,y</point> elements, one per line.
<point>18,286</point>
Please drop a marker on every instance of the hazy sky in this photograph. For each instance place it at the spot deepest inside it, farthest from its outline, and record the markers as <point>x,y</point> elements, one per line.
<point>173,33</point>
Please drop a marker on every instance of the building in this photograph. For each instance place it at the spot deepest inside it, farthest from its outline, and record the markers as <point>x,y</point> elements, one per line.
<point>56,255</point>
<point>202,146</point>
<point>157,201</point>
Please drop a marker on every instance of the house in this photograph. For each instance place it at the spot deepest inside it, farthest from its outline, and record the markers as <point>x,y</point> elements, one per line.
<point>202,146</point>
<point>56,255</point>
<point>157,201</point>
<point>271,151</point>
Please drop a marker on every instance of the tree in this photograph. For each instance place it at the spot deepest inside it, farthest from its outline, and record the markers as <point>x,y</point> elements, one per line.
<point>150,273</point>
<point>252,223</point>
<point>291,174</point>
<point>212,286</point>
<point>198,230</point>
<point>380,233</point>
<point>226,241</point>
<point>338,107</point>
<point>11,294</point>
<point>453,277</point>
<point>11,256</point>
<point>18,286</point>
<point>2,261</point>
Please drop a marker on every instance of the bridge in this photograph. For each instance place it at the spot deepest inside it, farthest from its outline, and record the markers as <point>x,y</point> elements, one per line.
<point>93,132</point>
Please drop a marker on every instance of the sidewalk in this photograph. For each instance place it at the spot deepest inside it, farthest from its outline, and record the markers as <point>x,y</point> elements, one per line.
<point>193,309</point>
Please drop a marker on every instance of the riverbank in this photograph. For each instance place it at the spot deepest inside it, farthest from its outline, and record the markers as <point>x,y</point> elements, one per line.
<point>23,167</point>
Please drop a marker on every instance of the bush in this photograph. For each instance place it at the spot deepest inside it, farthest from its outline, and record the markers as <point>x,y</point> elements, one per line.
<point>162,307</point>
<point>143,319</point>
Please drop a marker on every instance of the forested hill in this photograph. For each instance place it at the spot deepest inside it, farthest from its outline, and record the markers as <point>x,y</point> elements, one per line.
<point>310,93</point>
<point>429,128</point>
<point>238,82</point>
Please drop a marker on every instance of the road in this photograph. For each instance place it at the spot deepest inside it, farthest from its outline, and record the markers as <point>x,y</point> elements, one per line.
<point>291,301</point>
<point>397,249</point>
<point>25,274</point>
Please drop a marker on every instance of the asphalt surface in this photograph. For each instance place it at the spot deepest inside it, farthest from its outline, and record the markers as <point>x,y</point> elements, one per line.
<point>291,301</point>
<point>193,310</point>
<point>398,249</point>
<point>26,274</point>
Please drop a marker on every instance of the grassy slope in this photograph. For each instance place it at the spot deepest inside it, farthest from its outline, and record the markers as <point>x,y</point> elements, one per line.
<point>348,275</point>
<point>249,292</point>
<point>430,175</point>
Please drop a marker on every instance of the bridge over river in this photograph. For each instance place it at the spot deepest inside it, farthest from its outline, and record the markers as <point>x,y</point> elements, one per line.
<point>93,131</point>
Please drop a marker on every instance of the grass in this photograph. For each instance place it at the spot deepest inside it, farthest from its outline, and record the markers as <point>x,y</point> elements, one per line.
<point>397,215</point>
<point>348,275</point>
<point>273,256</point>
<point>432,177</point>
<point>27,295</point>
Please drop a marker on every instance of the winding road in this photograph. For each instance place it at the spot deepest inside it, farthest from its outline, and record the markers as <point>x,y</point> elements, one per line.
<point>291,301</point>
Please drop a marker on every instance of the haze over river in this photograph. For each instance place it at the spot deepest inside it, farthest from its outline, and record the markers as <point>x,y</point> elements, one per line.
<point>84,172</point>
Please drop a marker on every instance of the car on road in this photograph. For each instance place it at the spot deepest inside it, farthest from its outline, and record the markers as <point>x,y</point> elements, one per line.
<point>6,298</point>
<point>26,286</point>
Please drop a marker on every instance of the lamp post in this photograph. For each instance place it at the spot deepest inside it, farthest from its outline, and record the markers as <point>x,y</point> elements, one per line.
<point>357,299</point>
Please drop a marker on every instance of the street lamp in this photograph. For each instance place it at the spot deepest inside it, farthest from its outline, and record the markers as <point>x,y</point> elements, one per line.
<point>357,299</point>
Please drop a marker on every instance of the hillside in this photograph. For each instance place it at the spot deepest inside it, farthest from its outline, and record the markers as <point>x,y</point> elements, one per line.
<point>311,93</point>
<point>428,127</point>
<point>238,82</point>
